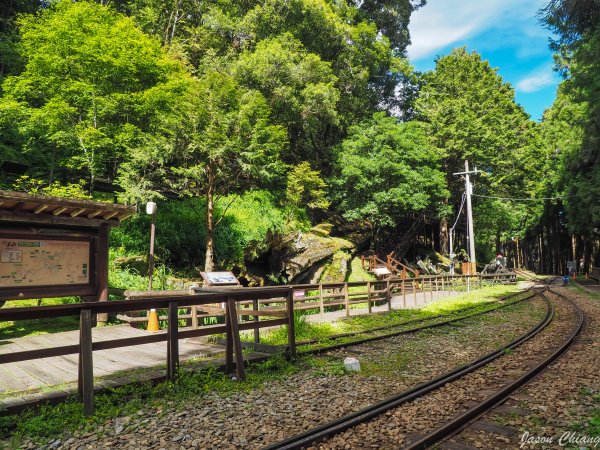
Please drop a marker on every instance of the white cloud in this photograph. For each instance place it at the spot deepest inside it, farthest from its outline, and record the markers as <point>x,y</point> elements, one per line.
<point>536,81</point>
<point>441,23</point>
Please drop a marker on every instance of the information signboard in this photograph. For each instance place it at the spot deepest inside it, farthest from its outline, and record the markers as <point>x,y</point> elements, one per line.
<point>220,278</point>
<point>44,262</point>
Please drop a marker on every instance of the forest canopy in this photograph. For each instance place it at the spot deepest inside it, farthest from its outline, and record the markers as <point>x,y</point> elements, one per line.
<point>308,105</point>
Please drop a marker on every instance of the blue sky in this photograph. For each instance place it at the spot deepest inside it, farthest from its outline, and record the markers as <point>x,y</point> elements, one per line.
<point>505,32</point>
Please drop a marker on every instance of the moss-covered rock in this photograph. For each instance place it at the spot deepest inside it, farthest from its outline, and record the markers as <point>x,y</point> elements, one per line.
<point>136,263</point>
<point>337,270</point>
<point>299,255</point>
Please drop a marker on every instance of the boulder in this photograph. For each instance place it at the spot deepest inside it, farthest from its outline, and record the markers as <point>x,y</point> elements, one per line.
<point>296,255</point>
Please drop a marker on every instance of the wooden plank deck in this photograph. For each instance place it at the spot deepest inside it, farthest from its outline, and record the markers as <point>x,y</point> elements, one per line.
<point>40,374</point>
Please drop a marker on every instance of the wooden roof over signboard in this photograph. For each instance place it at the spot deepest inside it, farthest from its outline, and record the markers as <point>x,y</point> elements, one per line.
<point>22,207</point>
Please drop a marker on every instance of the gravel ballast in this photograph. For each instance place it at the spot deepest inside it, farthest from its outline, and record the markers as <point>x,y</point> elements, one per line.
<point>255,418</point>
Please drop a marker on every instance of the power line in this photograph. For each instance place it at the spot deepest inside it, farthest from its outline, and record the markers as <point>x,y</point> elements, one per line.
<point>462,203</point>
<point>519,199</point>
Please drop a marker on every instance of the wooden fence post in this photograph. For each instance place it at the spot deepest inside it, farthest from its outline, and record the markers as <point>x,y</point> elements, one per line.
<point>431,288</point>
<point>291,325</point>
<point>414,283</point>
<point>321,305</point>
<point>388,294</point>
<point>194,317</point>
<point>256,306</point>
<point>172,341</point>
<point>86,366</point>
<point>404,293</point>
<point>369,296</point>
<point>346,300</point>
<point>102,271</point>
<point>235,338</point>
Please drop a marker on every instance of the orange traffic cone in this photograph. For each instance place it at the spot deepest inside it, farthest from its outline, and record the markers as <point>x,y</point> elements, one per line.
<point>152,321</point>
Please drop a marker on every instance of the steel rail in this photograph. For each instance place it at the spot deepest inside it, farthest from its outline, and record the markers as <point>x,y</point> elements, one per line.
<point>324,431</point>
<point>462,421</point>
<point>408,322</point>
<point>406,331</point>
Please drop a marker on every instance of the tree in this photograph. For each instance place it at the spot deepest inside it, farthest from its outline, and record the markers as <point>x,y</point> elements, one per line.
<point>10,60</point>
<point>359,43</point>
<point>90,90</point>
<point>392,18</point>
<point>470,113</point>
<point>300,89</point>
<point>571,18</point>
<point>305,189</point>
<point>572,126</point>
<point>221,143</point>
<point>385,170</point>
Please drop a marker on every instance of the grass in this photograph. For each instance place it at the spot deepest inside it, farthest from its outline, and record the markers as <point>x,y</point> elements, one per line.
<point>582,291</point>
<point>48,422</point>
<point>306,330</point>
<point>357,273</point>
<point>590,427</point>
<point>14,329</point>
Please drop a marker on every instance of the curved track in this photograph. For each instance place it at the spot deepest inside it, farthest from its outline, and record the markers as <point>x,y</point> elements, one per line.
<point>325,431</point>
<point>467,418</point>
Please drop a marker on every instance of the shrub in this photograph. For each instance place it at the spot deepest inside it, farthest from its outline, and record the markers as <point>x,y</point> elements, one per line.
<point>181,230</point>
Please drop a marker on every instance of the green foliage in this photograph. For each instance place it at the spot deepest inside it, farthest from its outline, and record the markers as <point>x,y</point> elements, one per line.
<point>298,85</point>
<point>306,188</point>
<point>34,186</point>
<point>384,170</point>
<point>90,90</point>
<point>391,17</point>
<point>357,273</point>
<point>571,126</point>
<point>471,114</point>
<point>181,230</point>
<point>250,219</point>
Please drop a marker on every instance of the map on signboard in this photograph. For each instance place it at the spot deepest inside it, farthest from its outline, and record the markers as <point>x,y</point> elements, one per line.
<point>32,262</point>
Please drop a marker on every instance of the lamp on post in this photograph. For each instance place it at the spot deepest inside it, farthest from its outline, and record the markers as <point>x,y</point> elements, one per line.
<point>151,210</point>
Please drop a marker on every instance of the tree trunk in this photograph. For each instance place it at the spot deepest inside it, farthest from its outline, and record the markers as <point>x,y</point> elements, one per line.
<point>541,249</point>
<point>444,239</point>
<point>209,263</point>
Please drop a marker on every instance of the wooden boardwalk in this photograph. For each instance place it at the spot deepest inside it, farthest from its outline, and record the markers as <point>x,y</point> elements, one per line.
<point>21,378</point>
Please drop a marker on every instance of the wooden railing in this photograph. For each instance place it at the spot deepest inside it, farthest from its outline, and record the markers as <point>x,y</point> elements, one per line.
<point>172,304</point>
<point>396,268</point>
<point>327,296</point>
<point>276,303</point>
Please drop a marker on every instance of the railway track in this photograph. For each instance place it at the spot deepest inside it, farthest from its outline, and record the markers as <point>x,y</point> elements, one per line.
<point>427,323</point>
<point>428,415</point>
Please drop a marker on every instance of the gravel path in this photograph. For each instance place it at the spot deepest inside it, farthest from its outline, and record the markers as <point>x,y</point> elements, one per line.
<point>255,418</point>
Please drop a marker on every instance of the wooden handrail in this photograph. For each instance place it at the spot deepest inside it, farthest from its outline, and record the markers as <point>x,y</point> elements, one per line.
<point>393,265</point>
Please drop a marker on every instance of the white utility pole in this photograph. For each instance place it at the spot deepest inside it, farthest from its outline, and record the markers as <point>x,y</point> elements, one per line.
<point>468,192</point>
